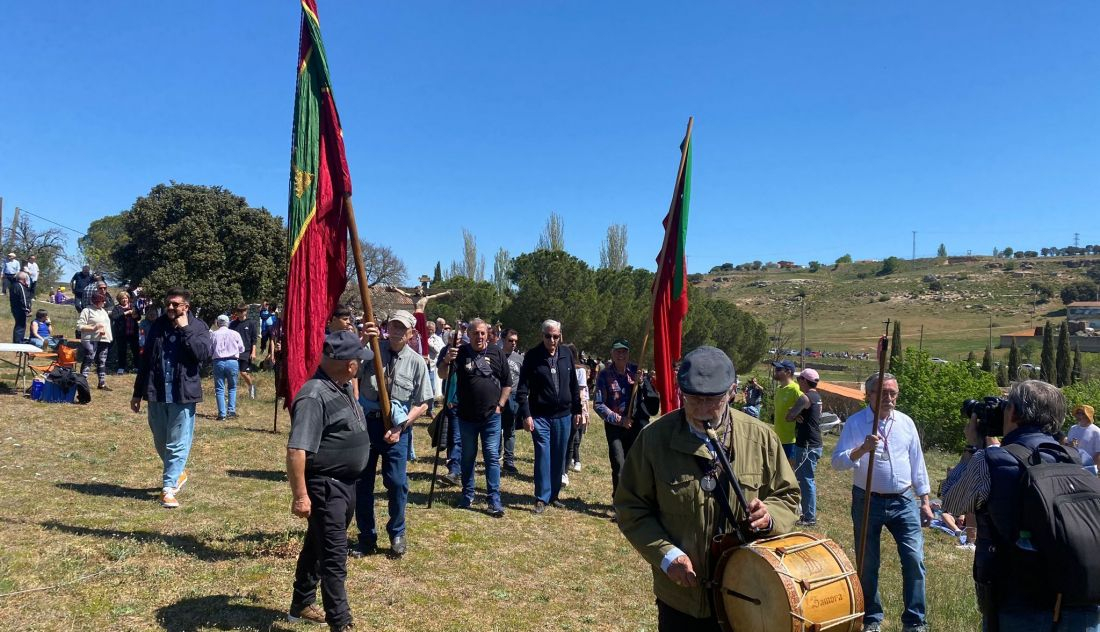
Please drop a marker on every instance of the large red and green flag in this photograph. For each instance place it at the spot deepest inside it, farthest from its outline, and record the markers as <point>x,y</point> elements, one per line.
<point>317,219</point>
<point>670,300</point>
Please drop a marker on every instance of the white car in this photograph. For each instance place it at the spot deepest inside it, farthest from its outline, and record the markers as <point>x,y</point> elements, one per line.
<point>940,361</point>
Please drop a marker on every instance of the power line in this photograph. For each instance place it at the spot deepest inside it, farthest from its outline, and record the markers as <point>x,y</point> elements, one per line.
<point>46,219</point>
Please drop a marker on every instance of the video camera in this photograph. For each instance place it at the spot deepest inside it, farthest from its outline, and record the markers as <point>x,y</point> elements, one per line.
<point>990,412</point>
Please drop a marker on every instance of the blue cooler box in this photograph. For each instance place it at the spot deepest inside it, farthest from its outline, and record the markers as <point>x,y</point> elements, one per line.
<point>52,394</point>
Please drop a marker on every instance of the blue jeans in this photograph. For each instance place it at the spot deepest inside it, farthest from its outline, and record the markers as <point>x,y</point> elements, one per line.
<point>1028,620</point>
<point>489,432</point>
<point>226,370</point>
<point>901,516</point>
<point>551,438</point>
<point>454,444</point>
<point>394,458</point>
<point>173,427</point>
<point>806,461</point>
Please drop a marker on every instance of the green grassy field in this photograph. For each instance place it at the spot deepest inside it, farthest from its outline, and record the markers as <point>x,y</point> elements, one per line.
<point>87,546</point>
<point>845,307</point>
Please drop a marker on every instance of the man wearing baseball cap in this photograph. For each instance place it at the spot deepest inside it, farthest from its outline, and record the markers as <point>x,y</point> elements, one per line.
<point>405,377</point>
<point>806,415</point>
<point>786,394</point>
<point>667,501</point>
<point>325,455</point>
<point>614,385</point>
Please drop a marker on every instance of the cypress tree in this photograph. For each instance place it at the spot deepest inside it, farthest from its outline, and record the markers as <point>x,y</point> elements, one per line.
<point>1075,373</point>
<point>1062,362</point>
<point>895,348</point>
<point>438,276</point>
<point>987,360</point>
<point>1002,376</point>
<point>1013,361</point>
<point>1048,371</point>
<point>970,359</point>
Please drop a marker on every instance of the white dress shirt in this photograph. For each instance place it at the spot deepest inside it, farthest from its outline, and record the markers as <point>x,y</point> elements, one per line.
<point>898,459</point>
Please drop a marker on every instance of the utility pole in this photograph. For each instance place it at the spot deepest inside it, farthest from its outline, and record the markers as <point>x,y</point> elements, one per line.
<point>991,333</point>
<point>1076,239</point>
<point>802,351</point>
<point>914,257</point>
<point>920,343</point>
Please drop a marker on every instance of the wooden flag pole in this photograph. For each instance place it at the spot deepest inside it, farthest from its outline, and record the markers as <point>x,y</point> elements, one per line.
<point>882,347</point>
<point>368,309</point>
<point>676,193</point>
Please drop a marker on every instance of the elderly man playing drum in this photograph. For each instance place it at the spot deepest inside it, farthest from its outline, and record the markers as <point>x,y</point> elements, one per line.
<point>672,489</point>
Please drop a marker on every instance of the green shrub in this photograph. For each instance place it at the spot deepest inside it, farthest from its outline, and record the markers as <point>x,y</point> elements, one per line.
<point>932,395</point>
<point>1087,392</point>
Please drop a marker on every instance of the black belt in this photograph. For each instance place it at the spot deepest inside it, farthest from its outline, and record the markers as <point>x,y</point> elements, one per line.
<point>887,496</point>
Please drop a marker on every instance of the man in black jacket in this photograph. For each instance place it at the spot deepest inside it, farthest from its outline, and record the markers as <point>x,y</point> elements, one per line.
<point>20,306</point>
<point>549,401</point>
<point>175,349</point>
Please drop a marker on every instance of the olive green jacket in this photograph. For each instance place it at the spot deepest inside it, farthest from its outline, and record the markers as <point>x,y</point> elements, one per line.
<point>661,505</point>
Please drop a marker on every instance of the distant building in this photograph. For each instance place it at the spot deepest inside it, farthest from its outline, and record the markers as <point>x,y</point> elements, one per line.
<point>1084,311</point>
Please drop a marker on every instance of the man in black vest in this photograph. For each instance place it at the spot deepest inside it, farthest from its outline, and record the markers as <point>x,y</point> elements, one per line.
<point>1012,592</point>
<point>325,455</point>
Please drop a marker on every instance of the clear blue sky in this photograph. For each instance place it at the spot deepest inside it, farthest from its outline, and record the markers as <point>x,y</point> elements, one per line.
<point>821,128</point>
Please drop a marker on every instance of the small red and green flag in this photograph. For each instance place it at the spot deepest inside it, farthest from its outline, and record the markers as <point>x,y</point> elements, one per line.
<point>317,219</point>
<point>670,299</point>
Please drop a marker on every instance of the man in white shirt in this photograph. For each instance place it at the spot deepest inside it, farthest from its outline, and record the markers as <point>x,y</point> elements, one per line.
<point>1085,435</point>
<point>31,268</point>
<point>888,442</point>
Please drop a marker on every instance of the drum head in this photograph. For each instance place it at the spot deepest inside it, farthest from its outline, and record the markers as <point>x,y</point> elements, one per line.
<point>754,596</point>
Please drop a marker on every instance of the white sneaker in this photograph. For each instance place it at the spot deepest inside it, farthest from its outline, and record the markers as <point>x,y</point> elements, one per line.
<point>565,480</point>
<point>576,466</point>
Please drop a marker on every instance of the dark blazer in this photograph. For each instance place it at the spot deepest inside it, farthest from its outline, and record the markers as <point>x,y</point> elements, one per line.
<point>195,348</point>
<point>20,299</point>
<point>536,395</point>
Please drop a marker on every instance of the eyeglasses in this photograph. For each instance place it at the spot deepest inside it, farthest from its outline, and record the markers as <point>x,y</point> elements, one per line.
<point>176,303</point>
<point>552,336</point>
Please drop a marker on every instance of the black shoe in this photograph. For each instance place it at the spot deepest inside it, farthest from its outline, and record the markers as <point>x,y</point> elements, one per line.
<point>539,507</point>
<point>509,469</point>
<point>496,511</point>
<point>398,546</point>
<point>363,550</point>
<point>104,387</point>
<point>220,418</point>
<point>232,415</point>
<point>557,504</point>
<point>449,480</point>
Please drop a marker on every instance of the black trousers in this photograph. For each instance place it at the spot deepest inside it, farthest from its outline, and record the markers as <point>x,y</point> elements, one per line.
<point>619,441</point>
<point>508,435</point>
<point>126,345</point>
<point>670,619</point>
<point>324,553</point>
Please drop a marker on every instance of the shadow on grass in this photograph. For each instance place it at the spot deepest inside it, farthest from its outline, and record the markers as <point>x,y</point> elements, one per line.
<point>277,476</point>
<point>111,490</point>
<point>218,612</point>
<point>256,544</point>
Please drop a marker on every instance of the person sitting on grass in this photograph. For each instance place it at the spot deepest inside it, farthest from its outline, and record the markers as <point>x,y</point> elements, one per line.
<point>42,331</point>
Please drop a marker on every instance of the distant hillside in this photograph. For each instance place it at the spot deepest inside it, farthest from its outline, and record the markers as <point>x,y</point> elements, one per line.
<point>954,298</point>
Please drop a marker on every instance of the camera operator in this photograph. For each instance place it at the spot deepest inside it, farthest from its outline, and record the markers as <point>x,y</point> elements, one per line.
<point>1013,592</point>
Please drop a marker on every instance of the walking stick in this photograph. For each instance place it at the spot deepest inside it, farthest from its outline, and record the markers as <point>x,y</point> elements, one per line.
<point>637,380</point>
<point>445,434</point>
<point>883,343</point>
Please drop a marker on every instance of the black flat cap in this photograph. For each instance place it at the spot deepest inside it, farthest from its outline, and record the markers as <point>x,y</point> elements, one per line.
<point>706,371</point>
<point>344,345</point>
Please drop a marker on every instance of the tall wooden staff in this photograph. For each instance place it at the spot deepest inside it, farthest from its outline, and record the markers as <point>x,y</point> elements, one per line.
<point>364,293</point>
<point>883,343</point>
<point>653,292</point>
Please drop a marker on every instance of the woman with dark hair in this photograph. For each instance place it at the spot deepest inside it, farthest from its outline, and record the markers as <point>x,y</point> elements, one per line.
<point>573,448</point>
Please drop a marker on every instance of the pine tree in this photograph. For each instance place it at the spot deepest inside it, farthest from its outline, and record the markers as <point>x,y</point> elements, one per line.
<point>987,360</point>
<point>1062,361</point>
<point>895,348</point>
<point>942,251</point>
<point>1075,373</point>
<point>1048,371</point>
<point>1013,360</point>
<point>438,276</point>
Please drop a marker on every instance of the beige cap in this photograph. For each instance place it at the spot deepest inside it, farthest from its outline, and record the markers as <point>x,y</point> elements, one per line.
<point>404,318</point>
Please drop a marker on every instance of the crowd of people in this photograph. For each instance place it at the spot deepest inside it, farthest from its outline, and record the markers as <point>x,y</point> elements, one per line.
<point>670,494</point>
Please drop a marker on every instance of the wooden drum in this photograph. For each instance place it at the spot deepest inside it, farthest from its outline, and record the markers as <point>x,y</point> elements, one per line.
<point>799,582</point>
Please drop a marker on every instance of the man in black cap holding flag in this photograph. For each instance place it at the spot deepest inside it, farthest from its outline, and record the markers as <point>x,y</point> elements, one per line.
<point>613,391</point>
<point>325,455</point>
<point>667,501</point>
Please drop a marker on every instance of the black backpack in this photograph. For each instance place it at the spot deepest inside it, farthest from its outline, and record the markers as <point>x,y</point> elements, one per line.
<point>1060,507</point>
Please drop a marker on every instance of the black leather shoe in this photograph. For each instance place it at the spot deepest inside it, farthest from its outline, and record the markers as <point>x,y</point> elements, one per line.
<point>539,507</point>
<point>449,480</point>
<point>557,504</point>
<point>363,550</point>
<point>398,546</point>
